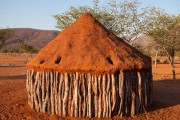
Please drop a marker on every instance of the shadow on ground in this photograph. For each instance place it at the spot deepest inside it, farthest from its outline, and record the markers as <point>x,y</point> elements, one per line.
<point>14,77</point>
<point>12,66</point>
<point>166,93</point>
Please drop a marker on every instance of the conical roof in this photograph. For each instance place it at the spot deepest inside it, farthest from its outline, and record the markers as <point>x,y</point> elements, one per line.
<point>87,46</point>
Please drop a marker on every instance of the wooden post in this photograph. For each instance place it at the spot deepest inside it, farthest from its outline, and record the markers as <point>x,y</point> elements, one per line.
<point>113,91</point>
<point>87,95</point>
<point>96,95</point>
<point>104,94</point>
<point>66,93</point>
<point>76,95</point>
<point>100,94</point>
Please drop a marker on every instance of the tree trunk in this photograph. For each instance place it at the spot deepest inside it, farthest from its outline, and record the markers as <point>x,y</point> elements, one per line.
<point>173,68</point>
<point>171,61</point>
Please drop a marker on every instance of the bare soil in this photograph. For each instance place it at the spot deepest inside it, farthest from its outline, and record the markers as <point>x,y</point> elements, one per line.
<point>13,95</point>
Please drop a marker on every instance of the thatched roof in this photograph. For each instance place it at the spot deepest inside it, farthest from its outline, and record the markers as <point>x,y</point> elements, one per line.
<point>87,46</point>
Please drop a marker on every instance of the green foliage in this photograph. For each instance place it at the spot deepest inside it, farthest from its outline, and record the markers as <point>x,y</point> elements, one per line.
<point>177,54</point>
<point>5,34</point>
<point>69,17</point>
<point>27,48</point>
<point>5,51</point>
<point>138,47</point>
<point>162,53</point>
<point>165,30</point>
<point>128,21</point>
<point>11,51</point>
<point>123,19</point>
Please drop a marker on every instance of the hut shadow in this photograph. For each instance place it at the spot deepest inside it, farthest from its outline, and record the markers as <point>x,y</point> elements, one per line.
<point>166,93</point>
<point>14,77</point>
<point>12,66</point>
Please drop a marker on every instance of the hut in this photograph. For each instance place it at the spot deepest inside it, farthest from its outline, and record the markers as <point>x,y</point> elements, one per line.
<point>87,71</point>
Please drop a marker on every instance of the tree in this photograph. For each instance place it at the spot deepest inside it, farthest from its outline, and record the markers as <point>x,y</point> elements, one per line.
<point>123,19</point>
<point>128,19</point>
<point>5,34</point>
<point>27,48</point>
<point>165,30</point>
<point>69,17</point>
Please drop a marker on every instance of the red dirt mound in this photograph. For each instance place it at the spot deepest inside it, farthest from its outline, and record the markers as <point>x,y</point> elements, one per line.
<point>87,46</point>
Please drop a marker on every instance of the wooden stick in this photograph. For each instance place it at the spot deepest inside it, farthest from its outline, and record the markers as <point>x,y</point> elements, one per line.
<point>39,92</point>
<point>32,89</point>
<point>70,99</point>
<point>52,93</point>
<point>73,99</point>
<point>96,96</point>
<point>89,95</point>
<point>107,95</point>
<point>66,93</point>
<point>79,95</point>
<point>121,92</point>
<point>139,89</point>
<point>76,95</point>
<point>35,92</point>
<point>103,94</point>
<point>84,95</point>
<point>60,94</point>
<point>56,92</point>
<point>100,94</point>
<point>133,104</point>
<point>113,91</point>
<point>49,92</point>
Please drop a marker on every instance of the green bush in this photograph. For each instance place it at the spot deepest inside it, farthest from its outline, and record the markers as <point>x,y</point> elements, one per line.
<point>162,53</point>
<point>4,35</point>
<point>11,51</point>
<point>5,51</point>
<point>23,48</point>
<point>27,48</point>
<point>177,54</point>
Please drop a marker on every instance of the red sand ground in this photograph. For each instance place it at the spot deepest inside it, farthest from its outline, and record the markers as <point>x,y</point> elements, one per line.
<point>13,95</point>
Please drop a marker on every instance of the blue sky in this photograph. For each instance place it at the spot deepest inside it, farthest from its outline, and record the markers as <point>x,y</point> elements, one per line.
<point>38,13</point>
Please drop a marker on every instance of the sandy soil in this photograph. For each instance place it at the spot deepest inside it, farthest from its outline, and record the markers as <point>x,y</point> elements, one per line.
<point>13,95</point>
